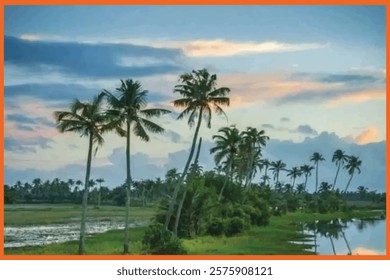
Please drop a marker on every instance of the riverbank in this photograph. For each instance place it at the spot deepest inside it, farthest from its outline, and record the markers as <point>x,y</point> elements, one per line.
<point>274,239</point>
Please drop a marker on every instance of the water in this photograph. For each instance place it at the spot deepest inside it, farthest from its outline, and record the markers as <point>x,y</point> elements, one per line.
<point>343,237</point>
<point>39,235</point>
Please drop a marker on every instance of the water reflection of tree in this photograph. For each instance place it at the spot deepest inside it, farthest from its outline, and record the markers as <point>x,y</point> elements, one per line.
<point>333,229</point>
<point>363,224</point>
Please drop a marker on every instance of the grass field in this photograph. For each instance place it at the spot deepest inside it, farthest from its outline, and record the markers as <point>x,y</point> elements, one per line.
<point>273,239</point>
<point>43,214</point>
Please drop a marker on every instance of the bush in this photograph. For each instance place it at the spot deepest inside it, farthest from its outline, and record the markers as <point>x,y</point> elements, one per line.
<point>216,227</point>
<point>159,241</point>
<point>234,226</point>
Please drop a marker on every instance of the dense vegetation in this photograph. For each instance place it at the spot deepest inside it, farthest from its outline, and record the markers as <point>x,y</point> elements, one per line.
<point>225,201</point>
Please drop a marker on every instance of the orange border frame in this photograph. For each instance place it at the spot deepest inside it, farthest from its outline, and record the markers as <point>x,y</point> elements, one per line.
<point>181,2</point>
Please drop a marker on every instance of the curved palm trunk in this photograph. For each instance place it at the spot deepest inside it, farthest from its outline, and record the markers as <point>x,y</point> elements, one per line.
<point>181,179</point>
<point>333,248</point>
<point>306,177</point>
<point>349,181</point>
<point>316,177</point>
<point>128,188</point>
<point>228,175</point>
<point>179,209</point>
<point>249,170</point>
<point>85,197</point>
<point>346,242</point>
<point>337,173</point>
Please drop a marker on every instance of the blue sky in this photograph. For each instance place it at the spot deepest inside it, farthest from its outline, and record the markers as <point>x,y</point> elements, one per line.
<point>313,77</point>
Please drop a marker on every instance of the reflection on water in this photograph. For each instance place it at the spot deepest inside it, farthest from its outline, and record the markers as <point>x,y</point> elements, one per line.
<point>348,237</point>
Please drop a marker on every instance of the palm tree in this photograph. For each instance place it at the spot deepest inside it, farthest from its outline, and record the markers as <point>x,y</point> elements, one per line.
<point>87,119</point>
<point>252,141</point>
<point>306,170</point>
<point>265,177</point>
<point>100,181</point>
<point>316,157</point>
<point>128,111</point>
<point>352,165</point>
<point>325,187</point>
<point>294,173</point>
<point>339,157</point>
<point>276,167</point>
<point>226,148</point>
<point>199,96</point>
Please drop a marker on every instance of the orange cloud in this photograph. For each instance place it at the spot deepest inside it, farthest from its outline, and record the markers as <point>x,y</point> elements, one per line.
<point>247,89</point>
<point>367,136</point>
<point>359,97</point>
<point>364,251</point>
<point>219,47</point>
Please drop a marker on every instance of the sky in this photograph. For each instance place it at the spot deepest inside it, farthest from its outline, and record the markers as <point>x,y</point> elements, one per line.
<point>312,77</point>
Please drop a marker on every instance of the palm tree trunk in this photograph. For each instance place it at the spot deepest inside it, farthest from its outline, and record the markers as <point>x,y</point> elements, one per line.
<point>265,175</point>
<point>316,177</point>
<point>331,241</point>
<point>306,177</point>
<point>225,183</point>
<point>335,178</point>
<point>346,242</point>
<point>349,181</point>
<point>128,189</point>
<point>181,179</point>
<point>85,197</point>
<point>179,209</point>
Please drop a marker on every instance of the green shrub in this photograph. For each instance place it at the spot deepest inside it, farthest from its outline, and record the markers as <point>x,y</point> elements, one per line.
<point>216,227</point>
<point>159,241</point>
<point>234,226</point>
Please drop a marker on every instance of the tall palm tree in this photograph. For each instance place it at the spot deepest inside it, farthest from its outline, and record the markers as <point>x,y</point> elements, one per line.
<point>316,157</point>
<point>129,111</point>
<point>200,96</point>
<point>276,167</point>
<point>253,140</point>
<point>225,149</point>
<point>306,170</point>
<point>294,173</point>
<point>352,165</point>
<point>87,119</point>
<point>339,157</point>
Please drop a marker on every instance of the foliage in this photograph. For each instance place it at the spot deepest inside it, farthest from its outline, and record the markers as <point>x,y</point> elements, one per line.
<point>160,241</point>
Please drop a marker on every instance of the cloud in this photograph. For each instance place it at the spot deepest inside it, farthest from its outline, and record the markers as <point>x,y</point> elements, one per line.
<point>89,60</point>
<point>221,47</point>
<point>367,136</point>
<point>284,119</point>
<point>24,127</point>
<point>285,88</point>
<point>267,125</point>
<point>306,129</point>
<point>29,120</point>
<point>26,145</point>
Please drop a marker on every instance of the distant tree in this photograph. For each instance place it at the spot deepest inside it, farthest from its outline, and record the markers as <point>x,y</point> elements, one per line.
<point>316,157</point>
<point>352,166</point>
<point>276,167</point>
<point>339,157</point>
<point>306,171</point>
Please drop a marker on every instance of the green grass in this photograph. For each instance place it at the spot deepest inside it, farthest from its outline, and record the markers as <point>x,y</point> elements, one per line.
<point>22,215</point>
<point>273,239</point>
